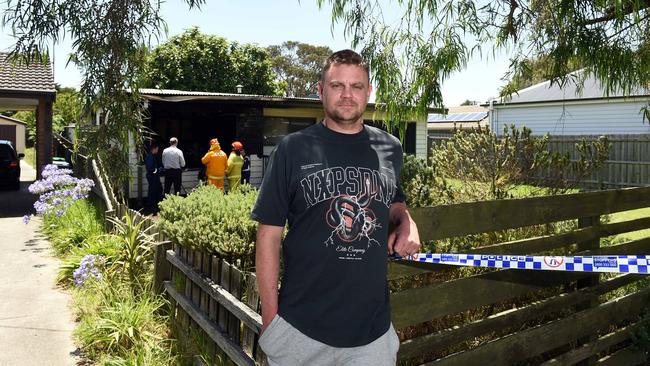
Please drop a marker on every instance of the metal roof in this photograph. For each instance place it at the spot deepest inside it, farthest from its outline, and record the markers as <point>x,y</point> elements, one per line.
<point>457,117</point>
<point>545,92</point>
<point>34,78</point>
<point>220,96</point>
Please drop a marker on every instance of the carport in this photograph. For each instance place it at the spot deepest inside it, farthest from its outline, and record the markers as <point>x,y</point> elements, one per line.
<point>30,88</point>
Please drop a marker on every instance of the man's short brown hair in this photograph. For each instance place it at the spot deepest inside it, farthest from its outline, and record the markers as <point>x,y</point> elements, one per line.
<point>344,57</point>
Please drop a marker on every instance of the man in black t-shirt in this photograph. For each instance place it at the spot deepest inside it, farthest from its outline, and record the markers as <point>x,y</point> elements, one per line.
<point>337,185</point>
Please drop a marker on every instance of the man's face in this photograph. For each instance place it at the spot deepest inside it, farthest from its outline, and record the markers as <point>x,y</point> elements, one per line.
<point>154,150</point>
<point>344,91</point>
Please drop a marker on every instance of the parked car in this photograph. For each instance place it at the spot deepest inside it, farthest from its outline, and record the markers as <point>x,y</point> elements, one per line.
<point>9,165</point>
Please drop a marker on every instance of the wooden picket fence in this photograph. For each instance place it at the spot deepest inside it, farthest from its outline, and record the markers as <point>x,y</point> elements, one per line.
<point>458,316</point>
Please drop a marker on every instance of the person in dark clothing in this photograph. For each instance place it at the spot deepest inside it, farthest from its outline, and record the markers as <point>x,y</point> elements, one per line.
<point>337,186</point>
<point>154,171</point>
<point>246,168</point>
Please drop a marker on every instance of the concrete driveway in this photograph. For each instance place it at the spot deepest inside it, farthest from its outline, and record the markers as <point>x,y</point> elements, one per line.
<point>36,323</point>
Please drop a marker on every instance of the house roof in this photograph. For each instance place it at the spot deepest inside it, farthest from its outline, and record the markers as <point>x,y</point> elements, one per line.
<point>13,120</point>
<point>172,95</point>
<point>545,92</point>
<point>32,78</point>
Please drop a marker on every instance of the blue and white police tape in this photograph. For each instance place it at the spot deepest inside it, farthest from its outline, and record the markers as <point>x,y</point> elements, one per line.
<point>610,263</point>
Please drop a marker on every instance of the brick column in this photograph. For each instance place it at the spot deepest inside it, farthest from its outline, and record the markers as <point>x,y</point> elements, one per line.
<point>43,134</point>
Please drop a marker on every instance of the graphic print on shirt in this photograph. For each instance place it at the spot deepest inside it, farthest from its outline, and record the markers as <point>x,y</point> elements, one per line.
<point>350,193</point>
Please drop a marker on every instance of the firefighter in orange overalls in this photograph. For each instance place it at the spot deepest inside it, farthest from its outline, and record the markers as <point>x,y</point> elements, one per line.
<point>216,163</point>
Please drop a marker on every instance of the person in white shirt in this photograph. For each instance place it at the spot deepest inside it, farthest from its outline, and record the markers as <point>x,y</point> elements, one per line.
<point>173,162</point>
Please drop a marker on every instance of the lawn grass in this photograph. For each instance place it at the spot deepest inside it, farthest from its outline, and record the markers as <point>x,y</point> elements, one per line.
<point>30,156</point>
<point>631,215</point>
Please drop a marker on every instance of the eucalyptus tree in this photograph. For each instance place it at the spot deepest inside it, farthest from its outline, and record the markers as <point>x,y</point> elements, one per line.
<point>415,45</point>
<point>298,65</point>
<point>109,45</point>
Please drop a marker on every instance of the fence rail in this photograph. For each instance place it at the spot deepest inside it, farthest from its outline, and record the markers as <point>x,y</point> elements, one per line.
<point>459,316</point>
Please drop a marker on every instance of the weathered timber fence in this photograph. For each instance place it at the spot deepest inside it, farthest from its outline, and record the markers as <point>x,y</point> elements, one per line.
<point>628,163</point>
<point>458,316</point>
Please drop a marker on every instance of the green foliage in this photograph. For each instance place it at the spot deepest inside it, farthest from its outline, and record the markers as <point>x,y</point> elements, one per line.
<point>414,46</point>
<point>298,65</point>
<point>197,61</point>
<point>214,222</point>
<point>422,185</point>
<point>81,223</point>
<point>120,328</point>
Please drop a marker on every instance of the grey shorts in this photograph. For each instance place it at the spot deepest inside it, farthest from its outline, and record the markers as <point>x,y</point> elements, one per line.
<point>285,345</point>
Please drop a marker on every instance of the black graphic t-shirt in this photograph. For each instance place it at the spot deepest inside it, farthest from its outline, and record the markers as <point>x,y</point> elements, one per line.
<point>335,191</point>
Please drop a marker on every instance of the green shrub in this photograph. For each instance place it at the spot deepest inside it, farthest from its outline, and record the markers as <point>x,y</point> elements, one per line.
<point>214,222</point>
<point>422,185</point>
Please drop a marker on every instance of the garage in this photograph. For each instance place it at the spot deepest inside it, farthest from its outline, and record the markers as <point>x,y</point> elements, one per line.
<point>15,131</point>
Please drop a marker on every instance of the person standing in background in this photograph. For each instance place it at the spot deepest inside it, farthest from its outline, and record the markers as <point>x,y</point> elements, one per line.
<point>246,168</point>
<point>154,171</point>
<point>216,163</point>
<point>173,162</point>
<point>235,164</point>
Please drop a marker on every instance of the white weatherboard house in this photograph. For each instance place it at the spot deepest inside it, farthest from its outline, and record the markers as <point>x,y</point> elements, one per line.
<point>568,111</point>
<point>258,121</point>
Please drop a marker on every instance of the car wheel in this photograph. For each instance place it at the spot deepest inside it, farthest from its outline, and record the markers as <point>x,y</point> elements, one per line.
<point>16,186</point>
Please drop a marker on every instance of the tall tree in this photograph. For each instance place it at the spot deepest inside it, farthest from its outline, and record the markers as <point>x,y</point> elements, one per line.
<point>415,45</point>
<point>109,39</point>
<point>298,65</point>
<point>197,61</point>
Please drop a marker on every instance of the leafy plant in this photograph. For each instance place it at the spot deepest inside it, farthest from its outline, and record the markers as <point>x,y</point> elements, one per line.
<point>135,249</point>
<point>214,222</point>
<point>120,326</point>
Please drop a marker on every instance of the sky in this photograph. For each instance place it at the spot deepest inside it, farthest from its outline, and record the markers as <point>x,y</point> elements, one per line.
<point>267,23</point>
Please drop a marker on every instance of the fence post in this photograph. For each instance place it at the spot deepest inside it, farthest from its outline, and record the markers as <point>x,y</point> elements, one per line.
<point>108,224</point>
<point>590,280</point>
<point>162,269</point>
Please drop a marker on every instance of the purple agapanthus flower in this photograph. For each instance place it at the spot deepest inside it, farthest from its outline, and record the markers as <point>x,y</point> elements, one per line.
<point>57,191</point>
<point>90,267</point>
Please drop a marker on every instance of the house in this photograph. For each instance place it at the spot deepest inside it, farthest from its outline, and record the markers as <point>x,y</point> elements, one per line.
<point>570,114</point>
<point>569,110</point>
<point>258,121</point>
<point>15,131</point>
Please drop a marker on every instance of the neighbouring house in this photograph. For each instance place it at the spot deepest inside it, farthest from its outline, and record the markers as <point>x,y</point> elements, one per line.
<point>15,131</point>
<point>441,127</point>
<point>570,114</point>
<point>457,118</point>
<point>258,121</point>
<point>546,108</point>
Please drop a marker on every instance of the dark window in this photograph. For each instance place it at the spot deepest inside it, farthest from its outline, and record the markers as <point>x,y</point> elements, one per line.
<point>275,128</point>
